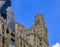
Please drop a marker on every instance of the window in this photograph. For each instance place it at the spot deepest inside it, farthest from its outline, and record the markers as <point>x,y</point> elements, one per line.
<point>21,43</point>
<point>38,30</point>
<point>3,42</point>
<point>12,34</point>
<point>40,43</point>
<point>24,45</point>
<point>40,39</point>
<point>12,40</point>
<point>41,30</point>
<point>2,26</point>
<point>2,32</point>
<point>7,30</point>
<point>34,39</point>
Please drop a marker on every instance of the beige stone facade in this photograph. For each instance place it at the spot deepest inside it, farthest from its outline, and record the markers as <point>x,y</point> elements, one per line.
<point>36,36</point>
<point>5,35</point>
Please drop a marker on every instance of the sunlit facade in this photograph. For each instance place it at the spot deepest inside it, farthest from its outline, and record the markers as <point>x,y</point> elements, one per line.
<point>15,35</point>
<point>36,36</point>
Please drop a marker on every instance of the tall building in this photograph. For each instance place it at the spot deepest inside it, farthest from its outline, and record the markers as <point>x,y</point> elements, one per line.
<point>16,35</point>
<point>3,34</point>
<point>36,36</point>
<point>5,8</point>
<point>7,39</point>
<point>7,24</point>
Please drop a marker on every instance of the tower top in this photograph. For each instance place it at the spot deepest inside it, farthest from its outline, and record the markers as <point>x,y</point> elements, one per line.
<point>39,15</point>
<point>39,20</point>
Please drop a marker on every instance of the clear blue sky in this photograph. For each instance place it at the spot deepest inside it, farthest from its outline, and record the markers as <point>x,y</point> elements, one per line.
<point>24,13</point>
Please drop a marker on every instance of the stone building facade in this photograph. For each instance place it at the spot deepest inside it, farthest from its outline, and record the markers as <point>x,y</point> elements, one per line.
<point>16,35</point>
<point>36,36</point>
<point>3,35</point>
<point>7,37</point>
<point>7,24</point>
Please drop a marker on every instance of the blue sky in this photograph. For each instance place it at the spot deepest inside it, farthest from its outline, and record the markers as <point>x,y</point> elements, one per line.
<point>24,13</point>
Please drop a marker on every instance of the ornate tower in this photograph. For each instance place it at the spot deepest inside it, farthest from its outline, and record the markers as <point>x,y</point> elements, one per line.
<point>39,20</point>
<point>40,28</point>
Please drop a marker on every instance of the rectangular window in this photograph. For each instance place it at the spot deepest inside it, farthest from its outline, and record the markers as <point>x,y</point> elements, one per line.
<point>3,42</point>
<point>12,40</point>
<point>34,39</point>
<point>7,30</point>
<point>38,30</point>
<point>41,30</point>
<point>24,45</point>
<point>2,26</point>
<point>40,39</point>
<point>40,43</point>
<point>12,34</point>
<point>21,43</point>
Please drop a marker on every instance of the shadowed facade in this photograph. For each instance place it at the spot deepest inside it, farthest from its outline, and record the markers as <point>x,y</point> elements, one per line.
<point>5,8</point>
